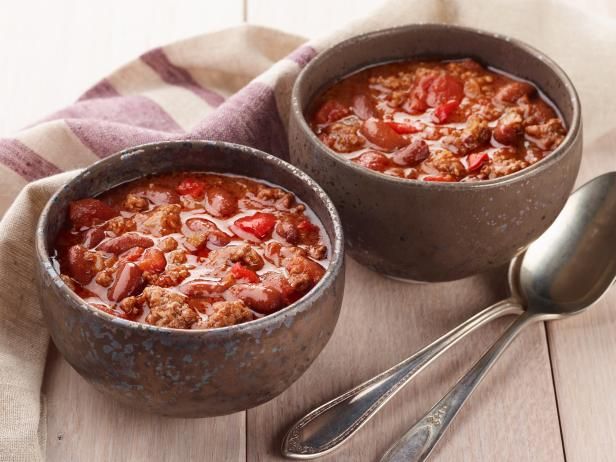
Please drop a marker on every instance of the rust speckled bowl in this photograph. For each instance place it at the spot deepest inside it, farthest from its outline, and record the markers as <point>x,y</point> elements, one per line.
<point>178,372</point>
<point>429,231</point>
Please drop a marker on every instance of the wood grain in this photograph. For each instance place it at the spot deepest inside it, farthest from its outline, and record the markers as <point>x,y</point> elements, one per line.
<point>84,425</point>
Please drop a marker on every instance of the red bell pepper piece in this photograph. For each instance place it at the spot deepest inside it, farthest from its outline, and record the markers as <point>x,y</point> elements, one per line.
<point>241,272</point>
<point>192,187</point>
<point>476,160</point>
<point>443,111</point>
<point>259,225</point>
<point>403,129</point>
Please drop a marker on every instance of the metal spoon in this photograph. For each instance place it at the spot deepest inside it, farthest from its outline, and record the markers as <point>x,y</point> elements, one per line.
<point>326,428</point>
<point>561,274</point>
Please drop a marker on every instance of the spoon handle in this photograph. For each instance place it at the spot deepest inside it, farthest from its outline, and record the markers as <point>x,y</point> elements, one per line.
<point>418,442</point>
<point>330,425</point>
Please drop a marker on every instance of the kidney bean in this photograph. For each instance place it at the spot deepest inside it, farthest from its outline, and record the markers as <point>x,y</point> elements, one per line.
<point>373,160</point>
<point>203,289</point>
<point>122,243</point>
<point>200,224</point>
<point>93,237</point>
<point>412,154</point>
<point>220,202</point>
<point>513,91</point>
<point>89,212</point>
<point>127,281</point>
<point>157,194</point>
<point>363,107</point>
<point>261,299</point>
<point>379,133</point>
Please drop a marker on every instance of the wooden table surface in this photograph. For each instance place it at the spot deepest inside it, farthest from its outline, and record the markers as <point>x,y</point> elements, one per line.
<point>551,397</point>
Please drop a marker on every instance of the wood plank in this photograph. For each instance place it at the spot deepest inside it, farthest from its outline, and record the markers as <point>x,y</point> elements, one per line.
<point>512,416</point>
<point>83,424</point>
<point>53,51</point>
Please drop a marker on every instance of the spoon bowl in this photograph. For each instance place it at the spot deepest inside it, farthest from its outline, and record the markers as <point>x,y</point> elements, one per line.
<point>573,263</point>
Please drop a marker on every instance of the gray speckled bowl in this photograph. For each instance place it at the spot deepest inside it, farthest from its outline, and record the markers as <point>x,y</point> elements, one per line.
<point>438,231</point>
<point>189,373</point>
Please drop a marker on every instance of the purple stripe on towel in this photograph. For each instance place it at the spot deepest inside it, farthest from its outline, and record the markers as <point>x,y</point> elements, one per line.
<point>302,55</point>
<point>24,161</point>
<point>248,117</point>
<point>174,75</point>
<point>102,89</point>
<point>134,110</point>
<point>105,138</point>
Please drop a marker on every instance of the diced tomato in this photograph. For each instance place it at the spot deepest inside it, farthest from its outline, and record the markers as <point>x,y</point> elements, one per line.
<point>306,226</point>
<point>331,111</point>
<point>403,129</point>
<point>476,160</point>
<point>444,88</point>
<point>153,261</point>
<point>88,212</point>
<point>241,272</point>
<point>192,187</point>
<point>202,253</point>
<point>443,111</point>
<point>259,225</point>
<point>444,179</point>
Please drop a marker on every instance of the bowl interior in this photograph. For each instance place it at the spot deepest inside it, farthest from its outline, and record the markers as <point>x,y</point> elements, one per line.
<point>198,156</point>
<point>443,42</point>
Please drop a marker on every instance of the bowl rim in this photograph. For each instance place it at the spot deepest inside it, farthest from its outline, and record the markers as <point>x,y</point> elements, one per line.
<point>573,131</point>
<point>332,272</point>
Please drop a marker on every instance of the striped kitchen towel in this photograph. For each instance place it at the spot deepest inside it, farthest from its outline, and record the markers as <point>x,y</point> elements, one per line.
<point>232,85</point>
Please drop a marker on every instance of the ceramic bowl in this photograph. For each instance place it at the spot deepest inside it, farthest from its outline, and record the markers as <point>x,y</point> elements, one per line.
<point>428,231</point>
<point>189,373</point>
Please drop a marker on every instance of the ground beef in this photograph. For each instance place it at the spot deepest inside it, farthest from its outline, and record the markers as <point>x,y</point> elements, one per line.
<point>162,220</point>
<point>168,309</point>
<point>343,136</point>
<point>226,314</point>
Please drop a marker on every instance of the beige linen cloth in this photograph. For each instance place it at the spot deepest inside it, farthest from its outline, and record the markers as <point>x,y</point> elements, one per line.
<point>232,85</point>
